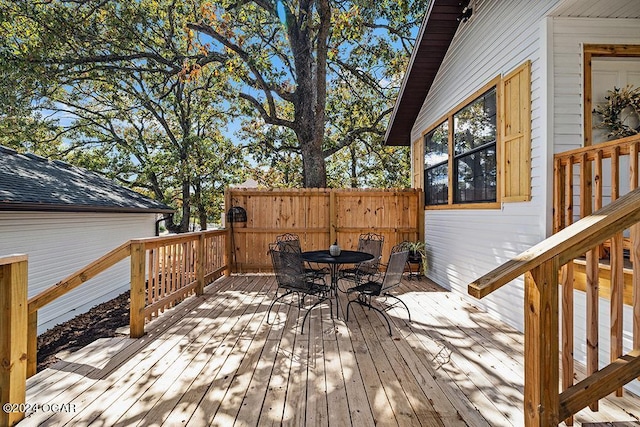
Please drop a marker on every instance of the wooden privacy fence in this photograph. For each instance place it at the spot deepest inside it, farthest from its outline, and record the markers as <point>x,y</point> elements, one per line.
<point>320,217</point>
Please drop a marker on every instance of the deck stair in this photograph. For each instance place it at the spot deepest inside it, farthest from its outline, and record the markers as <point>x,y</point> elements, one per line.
<point>541,265</point>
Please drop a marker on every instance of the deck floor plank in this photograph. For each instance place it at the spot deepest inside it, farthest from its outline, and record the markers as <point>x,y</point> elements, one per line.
<point>370,321</point>
<point>120,393</point>
<point>184,374</point>
<point>215,360</point>
<point>358,405</point>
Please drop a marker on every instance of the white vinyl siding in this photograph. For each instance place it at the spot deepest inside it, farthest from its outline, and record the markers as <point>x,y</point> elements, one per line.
<point>466,243</point>
<point>569,37</point>
<point>60,243</point>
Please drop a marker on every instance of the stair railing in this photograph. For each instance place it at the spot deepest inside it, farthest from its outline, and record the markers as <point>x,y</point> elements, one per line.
<point>543,404</point>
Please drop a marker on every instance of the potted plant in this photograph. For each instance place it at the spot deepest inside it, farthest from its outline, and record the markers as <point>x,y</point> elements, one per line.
<point>418,254</point>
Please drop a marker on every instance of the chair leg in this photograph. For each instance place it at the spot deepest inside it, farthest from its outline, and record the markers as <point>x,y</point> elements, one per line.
<point>276,300</point>
<point>368,304</point>
<point>386,294</point>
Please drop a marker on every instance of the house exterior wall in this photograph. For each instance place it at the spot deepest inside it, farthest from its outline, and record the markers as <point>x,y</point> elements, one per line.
<point>466,243</point>
<point>568,37</point>
<point>59,243</point>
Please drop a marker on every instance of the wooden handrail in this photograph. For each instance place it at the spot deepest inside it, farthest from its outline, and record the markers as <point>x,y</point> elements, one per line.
<point>622,145</point>
<point>543,404</point>
<point>139,303</point>
<point>567,244</point>
<point>79,277</point>
<point>103,263</point>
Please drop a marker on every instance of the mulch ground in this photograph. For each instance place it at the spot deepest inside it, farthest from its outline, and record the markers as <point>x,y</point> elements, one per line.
<point>99,322</point>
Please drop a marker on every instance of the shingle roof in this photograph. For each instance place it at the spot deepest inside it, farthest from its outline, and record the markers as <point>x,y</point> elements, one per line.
<point>30,182</point>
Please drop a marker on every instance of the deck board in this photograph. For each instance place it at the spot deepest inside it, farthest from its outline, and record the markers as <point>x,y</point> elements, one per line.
<point>215,360</point>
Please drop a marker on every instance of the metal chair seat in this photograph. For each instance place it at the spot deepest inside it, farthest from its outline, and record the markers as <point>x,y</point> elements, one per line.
<point>290,276</point>
<point>372,290</point>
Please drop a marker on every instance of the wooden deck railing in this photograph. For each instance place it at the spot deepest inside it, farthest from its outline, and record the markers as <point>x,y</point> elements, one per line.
<point>164,270</point>
<point>603,173</point>
<point>594,187</point>
<point>544,405</point>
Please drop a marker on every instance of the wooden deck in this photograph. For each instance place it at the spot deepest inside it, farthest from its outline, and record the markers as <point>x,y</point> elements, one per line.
<point>214,360</point>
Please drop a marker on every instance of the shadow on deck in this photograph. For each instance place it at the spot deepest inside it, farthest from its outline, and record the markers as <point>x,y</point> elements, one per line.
<point>214,360</point>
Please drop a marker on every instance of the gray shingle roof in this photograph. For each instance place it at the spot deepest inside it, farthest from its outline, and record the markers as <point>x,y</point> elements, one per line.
<point>30,182</point>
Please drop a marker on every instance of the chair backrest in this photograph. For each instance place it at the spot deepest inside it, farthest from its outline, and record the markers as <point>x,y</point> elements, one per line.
<point>370,243</point>
<point>287,265</point>
<point>289,240</point>
<point>395,268</point>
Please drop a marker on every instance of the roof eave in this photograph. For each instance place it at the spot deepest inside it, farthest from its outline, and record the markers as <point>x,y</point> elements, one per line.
<point>39,207</point>
<point>434,38</point>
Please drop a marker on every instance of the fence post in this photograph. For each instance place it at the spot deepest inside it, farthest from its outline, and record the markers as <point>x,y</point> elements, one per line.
<point>13,335</point>
<point>541,365</point>
<point>421,214</point>
<point>333,232</point>
<point>228,252</point>
<point>137,295</point>
<point>200,264</point>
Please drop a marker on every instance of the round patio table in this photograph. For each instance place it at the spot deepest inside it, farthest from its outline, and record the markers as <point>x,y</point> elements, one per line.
<point>345,257</point>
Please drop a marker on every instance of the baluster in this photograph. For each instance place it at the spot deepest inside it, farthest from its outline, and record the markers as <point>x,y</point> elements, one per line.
<point>635,249</point>
<point>617,269</point>
<point>593,283</point>
<point>585,186</point>
<point>566,218</point>
<point>597,189</point>
<point>156,275</point>
<point>558,195</point>
<point>174,269</point>
<point>151,274</point>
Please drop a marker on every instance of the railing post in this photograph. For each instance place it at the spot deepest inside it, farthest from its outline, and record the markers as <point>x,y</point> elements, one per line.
<point>200,264</point>
<point>137,295</point>
<point>32,343</point>
<point>541,401</point>
<point>13,335</point>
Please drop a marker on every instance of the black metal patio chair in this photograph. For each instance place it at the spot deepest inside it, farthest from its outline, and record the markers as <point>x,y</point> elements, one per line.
<point>379,289</point>
<point>370,243</point>
<point>290,276</point>
<point>292,241</point>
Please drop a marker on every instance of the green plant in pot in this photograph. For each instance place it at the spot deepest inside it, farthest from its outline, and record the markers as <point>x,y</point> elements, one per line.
<point>418,253</point>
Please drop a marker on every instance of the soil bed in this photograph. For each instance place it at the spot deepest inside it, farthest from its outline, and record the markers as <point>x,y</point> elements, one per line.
<point>99,322</point>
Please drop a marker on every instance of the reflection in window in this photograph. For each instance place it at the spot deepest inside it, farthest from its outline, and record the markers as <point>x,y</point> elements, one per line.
<point>473,166</point>
<point>436,159</point>
<point>475,150</point>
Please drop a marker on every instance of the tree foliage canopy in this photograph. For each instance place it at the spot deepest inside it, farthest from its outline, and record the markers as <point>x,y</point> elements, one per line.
<point>143,89</point>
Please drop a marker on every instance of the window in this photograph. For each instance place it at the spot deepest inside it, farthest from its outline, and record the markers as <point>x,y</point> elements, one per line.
<point>436,161</point>
<point>468,153</point>
<point>474,161</point>
<point>468,159</point>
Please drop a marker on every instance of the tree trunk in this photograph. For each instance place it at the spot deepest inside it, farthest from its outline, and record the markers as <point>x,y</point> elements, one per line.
<point>311,94</point>
<point>314,168</point>
<point>354,169</point>
<point>183,226</point>
<point>200,207</point>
